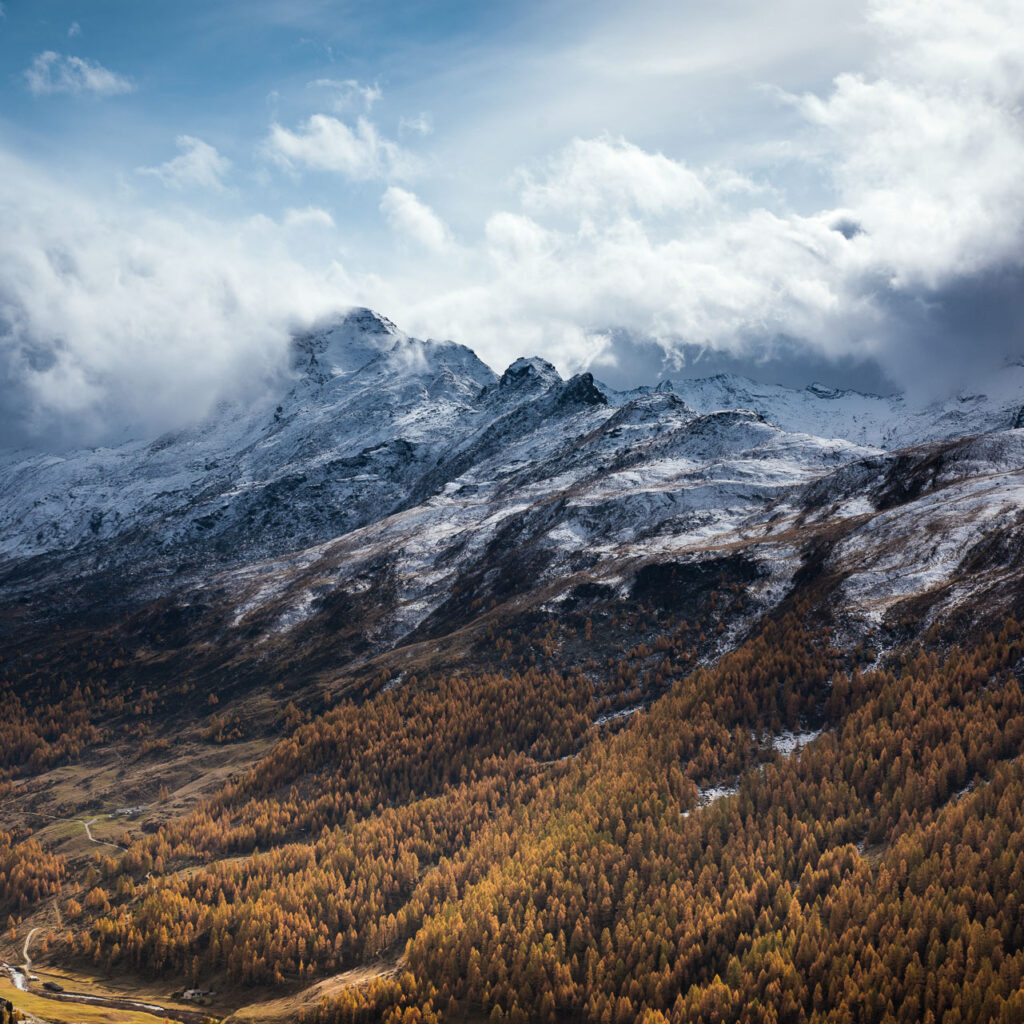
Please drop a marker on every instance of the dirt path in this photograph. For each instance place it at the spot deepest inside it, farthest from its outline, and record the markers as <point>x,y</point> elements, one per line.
<point>287,1009</point>
<point>92,838</point>
<point>27,966</point>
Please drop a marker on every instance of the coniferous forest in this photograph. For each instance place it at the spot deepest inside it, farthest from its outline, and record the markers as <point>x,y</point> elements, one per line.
<point>798,830</point>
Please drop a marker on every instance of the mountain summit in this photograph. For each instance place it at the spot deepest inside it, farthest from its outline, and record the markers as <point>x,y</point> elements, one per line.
<point>343,344</point>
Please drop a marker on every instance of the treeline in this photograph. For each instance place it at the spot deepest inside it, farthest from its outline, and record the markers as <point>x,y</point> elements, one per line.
<point>60,724</point>
<point>424,735</point>
<point>344,797</point>
<point>53,711</point>
<point>360,803</point>
<point>305,909</point>
<point>40,736</point>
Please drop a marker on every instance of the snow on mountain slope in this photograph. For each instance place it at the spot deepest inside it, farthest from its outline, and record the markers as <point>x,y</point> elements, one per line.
<point>928,545</point>
<point>382,449</point>
<point>556,499</point>
<point>342,346</point>
<point>880,421</point>
<point>340,445</point>
<point>943,519</point>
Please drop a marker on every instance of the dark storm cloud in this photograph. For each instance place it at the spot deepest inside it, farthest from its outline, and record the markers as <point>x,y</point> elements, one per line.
<point>954,337</point>
<point>787,362</point>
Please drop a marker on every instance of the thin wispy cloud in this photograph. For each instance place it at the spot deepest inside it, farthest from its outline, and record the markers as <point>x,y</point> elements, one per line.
<point>421,124</point>
<point>198,165</point>
<point>348,93</point>
<point>308,217</point>
<point>52,72</point>
<point>74,29</point>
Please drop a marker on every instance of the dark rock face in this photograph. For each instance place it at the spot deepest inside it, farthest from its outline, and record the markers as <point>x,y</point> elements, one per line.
<point>581,390</point>
<point>685,587</point>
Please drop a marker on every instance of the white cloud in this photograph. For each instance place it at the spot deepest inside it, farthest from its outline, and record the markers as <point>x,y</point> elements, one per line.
<point>325,143</point>
<point>602,176</point>
<point>307,217</point>
<point>198,165</point>
<point>927,150</point>
<point>923,152</point>
<point>421,124</point>
<point>74,29</point>
<point>122,313</point>
<point>411,218</point>
<point>52,72</point>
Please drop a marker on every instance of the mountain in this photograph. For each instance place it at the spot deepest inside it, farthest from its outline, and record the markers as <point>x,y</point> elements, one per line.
<point>384,446</point>
<point>418,692</point>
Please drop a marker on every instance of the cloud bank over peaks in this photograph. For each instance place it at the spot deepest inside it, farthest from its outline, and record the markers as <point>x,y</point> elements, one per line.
<point>926,150</point>
<point>906,253</point>
<point>918,264</point>
<point>118,318</point>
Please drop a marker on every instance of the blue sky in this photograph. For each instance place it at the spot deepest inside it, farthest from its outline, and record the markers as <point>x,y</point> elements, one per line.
<point>475,91</point>
<point>788,189</point>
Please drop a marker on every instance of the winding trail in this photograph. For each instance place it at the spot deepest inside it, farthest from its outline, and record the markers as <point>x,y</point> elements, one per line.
<point>86,825</point>
<point>27,966</point>
<point>20,976</point>
<point>92,838</point>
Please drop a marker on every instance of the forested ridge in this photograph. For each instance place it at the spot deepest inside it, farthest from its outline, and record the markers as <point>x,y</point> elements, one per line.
<point>519,862</point>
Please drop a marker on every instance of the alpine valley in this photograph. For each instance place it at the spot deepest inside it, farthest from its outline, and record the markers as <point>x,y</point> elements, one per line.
<point>418,693</point>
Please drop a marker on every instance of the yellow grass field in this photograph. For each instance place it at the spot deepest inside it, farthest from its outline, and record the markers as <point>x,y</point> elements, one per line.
<point>70,1013</point>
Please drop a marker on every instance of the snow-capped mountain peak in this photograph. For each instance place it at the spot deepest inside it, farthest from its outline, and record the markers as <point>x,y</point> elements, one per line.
<point>532,373</point>
<point>343,344</point>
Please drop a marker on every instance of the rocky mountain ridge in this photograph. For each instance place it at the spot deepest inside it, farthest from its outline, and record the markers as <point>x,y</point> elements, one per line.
<point>390,458</point>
